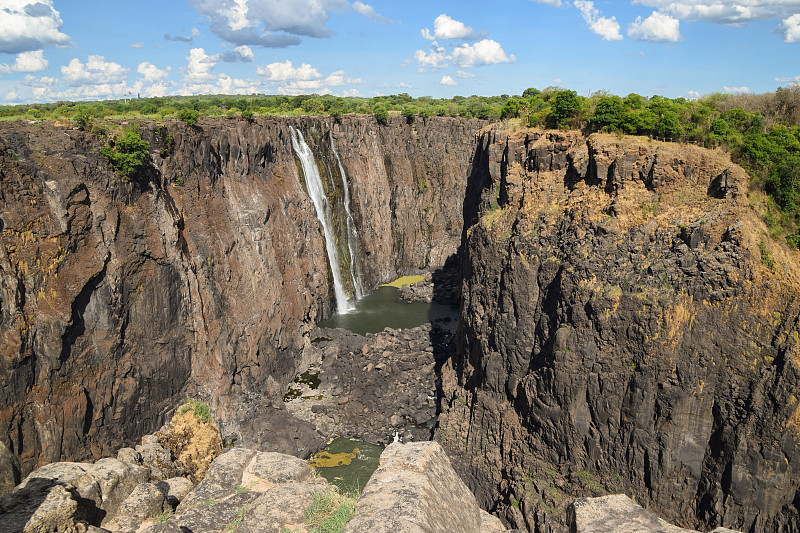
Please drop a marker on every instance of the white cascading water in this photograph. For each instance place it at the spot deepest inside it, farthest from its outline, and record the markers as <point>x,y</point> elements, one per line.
<point>320,201</point>
<point>352,234</point>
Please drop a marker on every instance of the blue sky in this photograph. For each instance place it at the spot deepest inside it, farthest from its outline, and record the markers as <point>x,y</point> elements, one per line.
<point>86,50</point>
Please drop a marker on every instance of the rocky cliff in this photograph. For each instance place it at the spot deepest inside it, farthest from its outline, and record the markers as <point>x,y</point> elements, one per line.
<point>201,275</point>
<point>627,325</point>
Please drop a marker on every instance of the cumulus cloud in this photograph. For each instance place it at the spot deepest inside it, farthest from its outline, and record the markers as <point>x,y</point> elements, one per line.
<point>445,27</point>
<point>694,95</point>
<point>447,80</point>
<point>198,68</point>
<point>151,73</point>
<point>606,28</point>
<point>658,27</point>
<point>485,52</point>
<point>791,29</point>
<point>351,92</point>
<point>286,71</point>
<point>268,23</point>
<point>96,71</point>
<point>434,59</point>
<point>736,90</point>
<point>304,79</point>
<point>369,12</point>
<point>554,3</point>
<point>731,12</point>
<point>240,54</point>
<point>464,74</point>
<point>136,46</point>
<point>26,62</point>
<point>28,25</point>
<point>788,79</point>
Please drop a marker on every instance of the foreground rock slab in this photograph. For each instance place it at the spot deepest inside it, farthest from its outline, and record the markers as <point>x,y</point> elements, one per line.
<point>619,514</point>
<point>415,489</point>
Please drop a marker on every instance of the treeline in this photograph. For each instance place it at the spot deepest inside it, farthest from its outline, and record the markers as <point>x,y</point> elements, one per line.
<point>761,131</point>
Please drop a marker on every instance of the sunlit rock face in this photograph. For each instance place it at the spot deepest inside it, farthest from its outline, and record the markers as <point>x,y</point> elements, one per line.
<point>627,325</point>
<point>202,274</point>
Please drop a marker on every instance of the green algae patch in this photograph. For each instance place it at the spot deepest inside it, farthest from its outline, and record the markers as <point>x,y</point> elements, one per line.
<point>328,460</point>
<point>347,463</point>
<point>404,280</point>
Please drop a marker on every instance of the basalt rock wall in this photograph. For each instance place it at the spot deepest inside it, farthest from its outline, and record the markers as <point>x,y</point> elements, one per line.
<point>627,325</point>
<point>198,276</point>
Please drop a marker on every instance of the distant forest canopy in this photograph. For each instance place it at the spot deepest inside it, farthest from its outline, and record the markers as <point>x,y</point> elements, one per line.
<point>761,131</point>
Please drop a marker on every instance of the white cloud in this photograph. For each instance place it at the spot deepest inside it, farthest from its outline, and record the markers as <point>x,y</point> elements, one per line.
<point>736,90</point>
<point>788,79</point>
<point>445,27</point>
<point>198,69</point>
<point>725,12</point>
<point>606,28</point>
<point>464,74</point>
<point>136,46</point>
<point>286,71</point>
<point>28,25</point>
<point>240,54</point>
<point>447,80</point>
<point>96,71</point>
<point>485,52</point>
<point>369,12</point>
<point>26,62</point>
<point>269,23</point>
<point>404,85</point>
<point>554,3</point>
<point>658,27</point>
<point>790,27</point>
<point>693,94</point>
<point>151,73</point>
<point>435,59</point>
<point>304,79</point>
<point>351,92</point>
<point>11,96</point>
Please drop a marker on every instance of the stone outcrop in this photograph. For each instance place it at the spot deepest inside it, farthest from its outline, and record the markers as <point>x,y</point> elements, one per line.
<point>618,514</point>
<point>199,276</point>
<point>627,326</point>
<point>373,386</point>
<point>416,490</point>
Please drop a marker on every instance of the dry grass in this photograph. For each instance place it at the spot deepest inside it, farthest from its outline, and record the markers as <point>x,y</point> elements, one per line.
<point>193,439</point>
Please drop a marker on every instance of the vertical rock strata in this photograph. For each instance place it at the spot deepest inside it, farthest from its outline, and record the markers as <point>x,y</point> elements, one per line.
<point>627,326</point>
<point>200,276</point>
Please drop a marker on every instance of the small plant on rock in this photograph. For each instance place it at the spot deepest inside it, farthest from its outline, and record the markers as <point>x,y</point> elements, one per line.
<point>127,153</point>
<point>331,511</point>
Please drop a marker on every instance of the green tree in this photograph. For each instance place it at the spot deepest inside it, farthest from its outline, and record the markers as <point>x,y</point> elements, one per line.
<point>189,115</point>
<point>564,105</point>
<point>127,153</point>
<point>381,115</point>
<point>313,106</point>
<point>609,113</point>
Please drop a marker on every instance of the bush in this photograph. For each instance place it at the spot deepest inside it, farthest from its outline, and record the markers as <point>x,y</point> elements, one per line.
<point>189,115</point>
<point>127,153</point>
<point>381,115</point>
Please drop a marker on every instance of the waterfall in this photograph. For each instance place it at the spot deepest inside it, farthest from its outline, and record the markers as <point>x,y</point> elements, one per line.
<point>324,215</point>
<point>352,234</point>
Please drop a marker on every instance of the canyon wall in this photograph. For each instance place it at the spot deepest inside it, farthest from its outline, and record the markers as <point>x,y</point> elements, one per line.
<point>627,325</point>
<point>199,276</point>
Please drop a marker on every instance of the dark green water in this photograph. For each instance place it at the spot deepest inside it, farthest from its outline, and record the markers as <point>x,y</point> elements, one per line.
<point>347,463</point>
<point>383,308</point>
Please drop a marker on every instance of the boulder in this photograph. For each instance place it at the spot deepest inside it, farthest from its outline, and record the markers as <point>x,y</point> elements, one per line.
<point>617,513</point>
<point>415,489</point>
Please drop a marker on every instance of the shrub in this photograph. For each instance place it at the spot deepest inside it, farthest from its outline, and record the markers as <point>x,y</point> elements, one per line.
<point>189,115</point>
<point>381,115</point>
<point>330,511</point>
<point>127,153</point>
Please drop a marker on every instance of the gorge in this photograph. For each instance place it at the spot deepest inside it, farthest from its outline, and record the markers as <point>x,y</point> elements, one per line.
<point>626,323</point>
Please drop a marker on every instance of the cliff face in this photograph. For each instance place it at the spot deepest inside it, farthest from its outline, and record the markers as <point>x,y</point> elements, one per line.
<point>626,325</point>
<point>200,276</point>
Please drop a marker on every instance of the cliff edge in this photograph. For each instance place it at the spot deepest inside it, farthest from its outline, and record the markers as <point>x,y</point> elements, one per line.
<point>627,326</point>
